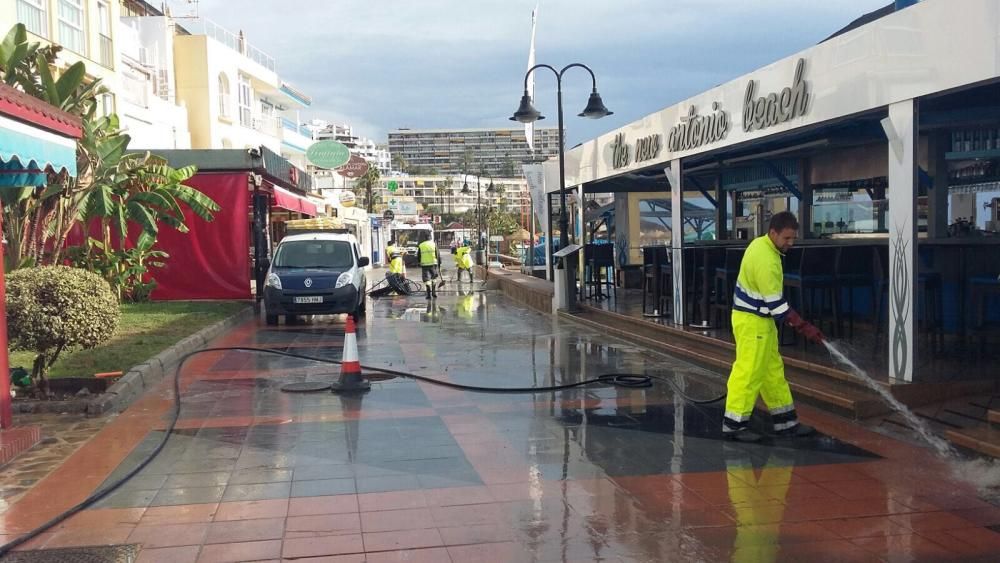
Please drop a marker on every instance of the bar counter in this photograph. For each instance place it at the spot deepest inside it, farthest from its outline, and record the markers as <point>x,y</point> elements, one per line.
<point>955,278</point>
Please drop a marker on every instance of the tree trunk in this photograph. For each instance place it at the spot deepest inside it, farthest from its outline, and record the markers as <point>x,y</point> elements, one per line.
<point>57,242</point>
<point>39,369</point>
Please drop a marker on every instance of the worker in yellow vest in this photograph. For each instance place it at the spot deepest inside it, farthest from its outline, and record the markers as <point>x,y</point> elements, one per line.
<point>463,260</point>
<point>395,255</point>
<point>758,302</point>
<point>430,258</point>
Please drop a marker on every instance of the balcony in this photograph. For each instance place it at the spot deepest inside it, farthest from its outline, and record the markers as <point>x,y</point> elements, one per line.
<point>235,42</point>
<point>135,88</point>
<point>267,124</point>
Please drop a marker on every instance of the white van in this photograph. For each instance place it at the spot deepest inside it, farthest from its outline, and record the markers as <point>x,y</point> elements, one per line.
<point>318,273</point>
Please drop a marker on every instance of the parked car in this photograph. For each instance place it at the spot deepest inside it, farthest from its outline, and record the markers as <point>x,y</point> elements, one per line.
<point>315,274</point>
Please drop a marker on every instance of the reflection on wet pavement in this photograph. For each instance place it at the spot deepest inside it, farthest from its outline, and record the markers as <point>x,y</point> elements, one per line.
<point>595,473</point>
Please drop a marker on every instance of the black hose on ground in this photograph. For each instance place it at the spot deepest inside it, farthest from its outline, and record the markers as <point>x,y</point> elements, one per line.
<point>629,380</point>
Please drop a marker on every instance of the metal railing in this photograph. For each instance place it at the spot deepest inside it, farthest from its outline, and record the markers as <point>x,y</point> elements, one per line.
<point>135,90</point>
<point>234,42</point>
<point>264,123</point>
<point>292,126</point>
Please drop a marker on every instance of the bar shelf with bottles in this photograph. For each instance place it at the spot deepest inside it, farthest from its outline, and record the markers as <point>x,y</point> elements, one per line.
<point>974,159</point>
<point>850,207</point>
<point>974,172</point>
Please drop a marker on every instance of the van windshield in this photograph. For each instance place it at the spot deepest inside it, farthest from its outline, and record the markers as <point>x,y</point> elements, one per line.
<point>408,237</point>
<point>334,254</point>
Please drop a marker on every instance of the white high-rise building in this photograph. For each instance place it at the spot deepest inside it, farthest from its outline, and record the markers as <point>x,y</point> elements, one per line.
<point>378,155</point>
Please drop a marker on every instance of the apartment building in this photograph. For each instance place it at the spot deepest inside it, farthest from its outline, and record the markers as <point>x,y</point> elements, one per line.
<point>85,29</point>
<point>147,101</point>
<point>494,151</point>
<point>233,94</point>
<point>445,193</point>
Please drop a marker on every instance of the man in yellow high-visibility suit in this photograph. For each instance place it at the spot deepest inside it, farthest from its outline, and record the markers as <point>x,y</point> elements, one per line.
<point>395,256</point>
<point>757,303</point>
<point>463,260</point>
<point>430,258</point>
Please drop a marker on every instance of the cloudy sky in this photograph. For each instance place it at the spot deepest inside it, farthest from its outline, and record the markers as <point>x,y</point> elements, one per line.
<point>384,64</point>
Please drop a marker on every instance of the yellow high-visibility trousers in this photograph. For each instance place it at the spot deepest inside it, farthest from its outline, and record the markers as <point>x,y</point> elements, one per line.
<point>758,370</point>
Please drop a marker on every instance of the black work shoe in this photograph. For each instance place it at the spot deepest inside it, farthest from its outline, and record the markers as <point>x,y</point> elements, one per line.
<point>746,436</point>
<point>797,431</point>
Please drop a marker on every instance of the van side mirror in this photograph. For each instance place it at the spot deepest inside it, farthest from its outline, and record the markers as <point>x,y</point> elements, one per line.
<point>363,261</point>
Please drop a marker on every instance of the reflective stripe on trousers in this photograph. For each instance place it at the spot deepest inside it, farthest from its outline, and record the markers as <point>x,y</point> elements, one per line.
<point>758,369</point>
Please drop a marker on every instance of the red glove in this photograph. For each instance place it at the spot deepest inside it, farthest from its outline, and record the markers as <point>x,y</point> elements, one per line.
<point>805,328</point>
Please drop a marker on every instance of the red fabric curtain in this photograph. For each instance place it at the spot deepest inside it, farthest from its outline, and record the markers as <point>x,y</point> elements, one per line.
<point>212,260</point>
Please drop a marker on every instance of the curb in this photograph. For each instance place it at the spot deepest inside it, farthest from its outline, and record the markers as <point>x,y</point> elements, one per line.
<point>140,378</point>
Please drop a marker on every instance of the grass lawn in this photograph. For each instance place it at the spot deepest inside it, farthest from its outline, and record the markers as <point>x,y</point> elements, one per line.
<point>146,329</point>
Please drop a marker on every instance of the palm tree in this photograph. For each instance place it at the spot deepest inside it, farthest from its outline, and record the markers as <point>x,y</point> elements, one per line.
<point>142,189</point>
<point>39,218</point>
<point>400,163</point>
<point>366,185</point>
<point>444,190</point>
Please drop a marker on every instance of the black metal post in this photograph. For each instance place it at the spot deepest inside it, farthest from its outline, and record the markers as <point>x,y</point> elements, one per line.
<point>563,216</point>
<point>526,113</point>
<point>479,214</point>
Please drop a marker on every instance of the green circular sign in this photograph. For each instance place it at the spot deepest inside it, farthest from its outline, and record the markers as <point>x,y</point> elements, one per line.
<point>328,154</point>
<point>392,185</point>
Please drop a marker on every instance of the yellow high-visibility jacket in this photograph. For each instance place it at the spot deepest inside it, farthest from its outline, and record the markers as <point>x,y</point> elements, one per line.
<point>428,253</point>
<point>463,258</point>
<point>759,286</point>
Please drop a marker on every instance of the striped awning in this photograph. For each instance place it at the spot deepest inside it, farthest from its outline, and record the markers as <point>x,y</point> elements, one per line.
<point>27,152</point>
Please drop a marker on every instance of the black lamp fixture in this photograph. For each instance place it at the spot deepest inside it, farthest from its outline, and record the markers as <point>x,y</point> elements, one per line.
<point>526,113</point>
<point>595,107</point>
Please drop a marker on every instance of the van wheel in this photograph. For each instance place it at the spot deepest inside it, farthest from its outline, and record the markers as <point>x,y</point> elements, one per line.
<point>271,320</point>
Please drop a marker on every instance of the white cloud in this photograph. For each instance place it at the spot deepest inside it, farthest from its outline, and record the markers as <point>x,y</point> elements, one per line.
<point>383,64</point>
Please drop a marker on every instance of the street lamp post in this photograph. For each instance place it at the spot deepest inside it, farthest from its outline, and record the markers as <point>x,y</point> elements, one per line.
<point>526,113</point>
<point>479,212</point>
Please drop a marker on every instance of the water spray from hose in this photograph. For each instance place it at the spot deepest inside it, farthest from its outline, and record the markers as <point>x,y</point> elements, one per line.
<point>982,473</point>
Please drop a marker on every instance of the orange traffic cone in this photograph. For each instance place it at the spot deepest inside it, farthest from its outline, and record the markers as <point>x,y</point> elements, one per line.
<point>351,378</point>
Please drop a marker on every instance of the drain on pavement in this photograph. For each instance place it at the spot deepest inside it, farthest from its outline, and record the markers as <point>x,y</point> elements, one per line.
<point>94,554</point>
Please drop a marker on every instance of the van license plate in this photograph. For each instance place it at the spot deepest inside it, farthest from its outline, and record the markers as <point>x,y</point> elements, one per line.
<point>309,299</point>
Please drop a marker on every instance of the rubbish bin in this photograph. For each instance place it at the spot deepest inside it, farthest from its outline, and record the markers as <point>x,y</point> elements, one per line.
<point>565,278</point>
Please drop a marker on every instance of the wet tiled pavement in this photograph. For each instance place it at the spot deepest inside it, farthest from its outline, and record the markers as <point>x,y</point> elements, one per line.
<point>61,434</point>
<point>416,472</point>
